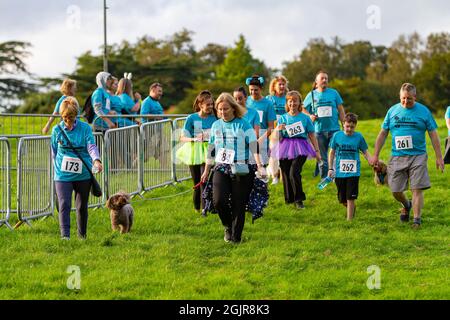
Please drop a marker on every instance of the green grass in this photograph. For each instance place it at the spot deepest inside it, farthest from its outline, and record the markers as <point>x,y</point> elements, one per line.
<point>173,253</point>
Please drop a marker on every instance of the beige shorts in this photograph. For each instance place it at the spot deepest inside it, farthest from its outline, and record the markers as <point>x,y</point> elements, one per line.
<point>408,168</point>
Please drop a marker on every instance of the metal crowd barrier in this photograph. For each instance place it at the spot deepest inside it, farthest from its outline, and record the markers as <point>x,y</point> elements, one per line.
<point>5,182</point>
<point>156,156</point>
<point>95,202</point>
<point>181,171</point>
<point>34,178</point>
<point>122,165</point>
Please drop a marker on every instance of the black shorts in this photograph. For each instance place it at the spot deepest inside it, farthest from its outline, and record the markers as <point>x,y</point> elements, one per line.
<point>347,188</point>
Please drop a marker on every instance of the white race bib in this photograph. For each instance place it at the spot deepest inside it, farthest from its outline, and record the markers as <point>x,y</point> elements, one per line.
<point>324,112</point>
<point>261,115</point>
<point>295,129</point>
<point>108,104</point>
<point>72,165</point>
<point>348,166</point>
<point>403,143</point>
<point>225,156</point>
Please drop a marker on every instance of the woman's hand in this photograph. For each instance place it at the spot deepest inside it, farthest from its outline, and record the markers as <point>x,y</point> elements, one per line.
<point>262,171</point>
<point>98,165</point>
<point>281,126</point>
<point>205,175</point>
<point>318,156</point>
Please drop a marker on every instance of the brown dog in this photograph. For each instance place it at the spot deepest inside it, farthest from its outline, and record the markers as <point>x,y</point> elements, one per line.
<point>122,213</point>
<point>380,174</point>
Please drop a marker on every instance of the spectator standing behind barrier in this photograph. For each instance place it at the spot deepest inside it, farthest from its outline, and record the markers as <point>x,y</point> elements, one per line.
<point>101,100</point>
<point>408,121</point>
<point>130,103</point>
<point>266,113</point>
<point>278,88</point>
<point>197,129</point>
<point>345,147</point>
<point>70,173</point>
<point>325,107</point>
<point>151,104</point>
<point>232,139</point>
<point>68,89</point>
<point>292,148</point>
<point>447,140</point>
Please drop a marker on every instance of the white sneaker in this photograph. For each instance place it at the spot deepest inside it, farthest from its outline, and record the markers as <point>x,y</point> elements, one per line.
<point>275,180</point>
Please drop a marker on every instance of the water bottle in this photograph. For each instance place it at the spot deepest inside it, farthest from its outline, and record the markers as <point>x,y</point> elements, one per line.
<point>94,169</point>
<point>326,181</point>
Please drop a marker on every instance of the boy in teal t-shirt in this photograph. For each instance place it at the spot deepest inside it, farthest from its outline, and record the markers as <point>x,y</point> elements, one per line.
<point>345,147</point>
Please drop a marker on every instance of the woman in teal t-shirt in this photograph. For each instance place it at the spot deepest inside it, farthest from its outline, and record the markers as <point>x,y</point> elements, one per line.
<point>195,137</point>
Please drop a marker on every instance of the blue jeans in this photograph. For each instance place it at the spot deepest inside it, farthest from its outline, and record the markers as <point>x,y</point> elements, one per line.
<point>323,139</point>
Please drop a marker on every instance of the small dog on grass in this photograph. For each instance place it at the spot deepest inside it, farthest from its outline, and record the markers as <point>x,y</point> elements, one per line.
<point>122,213</point>
<point>380,174</point>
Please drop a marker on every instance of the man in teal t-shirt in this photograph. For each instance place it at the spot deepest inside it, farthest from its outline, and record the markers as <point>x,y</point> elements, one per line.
<point>408,121</point>
<point>151,104</point>
<point>325,107</point>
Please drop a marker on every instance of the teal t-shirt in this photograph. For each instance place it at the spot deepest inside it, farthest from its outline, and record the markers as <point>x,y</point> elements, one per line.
<point>303,125</point>
<point>195,124</point>
<point>279,104</point>
<point>65,166</point>
<point>151,106</point>
<point>102,99</point>
<point>265,109</point>
<point>58,105</point>
<point>347,148</point>
<point>235,135</point>
<point>325,107</point>
<point>447,116</point>
<point>127,104</point>
<point>252,117</point>
<point>408,127</point>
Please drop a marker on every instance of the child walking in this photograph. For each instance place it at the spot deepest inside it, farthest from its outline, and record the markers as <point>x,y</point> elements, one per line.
<point>345,147</point>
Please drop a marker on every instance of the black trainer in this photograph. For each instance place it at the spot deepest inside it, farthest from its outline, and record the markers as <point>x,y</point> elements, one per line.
<point>417,222</point>
<point>404,213</point>
<point>299,205</point>
<point>227,236</point>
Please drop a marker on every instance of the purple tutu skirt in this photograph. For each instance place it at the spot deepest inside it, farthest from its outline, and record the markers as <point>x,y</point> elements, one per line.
<point>291,148</point>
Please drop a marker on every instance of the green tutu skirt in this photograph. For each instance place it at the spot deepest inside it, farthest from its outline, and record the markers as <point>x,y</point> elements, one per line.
<point>192,153</point>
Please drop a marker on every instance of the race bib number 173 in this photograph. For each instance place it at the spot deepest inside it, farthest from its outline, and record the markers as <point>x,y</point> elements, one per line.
<point>72,165</point>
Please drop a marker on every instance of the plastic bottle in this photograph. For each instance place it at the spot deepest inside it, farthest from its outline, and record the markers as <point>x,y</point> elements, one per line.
<point>326,181</point>
<point>94,170</point>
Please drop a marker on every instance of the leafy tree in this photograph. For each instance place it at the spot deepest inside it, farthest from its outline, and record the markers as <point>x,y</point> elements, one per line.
<point>12,62</point>
<point>239,64</point>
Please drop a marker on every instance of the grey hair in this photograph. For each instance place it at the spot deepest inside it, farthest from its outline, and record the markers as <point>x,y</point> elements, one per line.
<point>408,87</point>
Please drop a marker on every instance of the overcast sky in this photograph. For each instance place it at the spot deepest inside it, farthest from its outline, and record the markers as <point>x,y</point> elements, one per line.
<point>275,30</point>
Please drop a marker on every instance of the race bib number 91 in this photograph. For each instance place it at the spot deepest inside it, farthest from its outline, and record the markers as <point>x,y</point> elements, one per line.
<point>295,129</point>
<point>72,165</point>
<point>403,143</point>
<point>225,156</point>
<point>348,166</point>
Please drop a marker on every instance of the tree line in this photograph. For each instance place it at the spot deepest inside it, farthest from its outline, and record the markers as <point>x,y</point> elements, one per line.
<point>367,76</point>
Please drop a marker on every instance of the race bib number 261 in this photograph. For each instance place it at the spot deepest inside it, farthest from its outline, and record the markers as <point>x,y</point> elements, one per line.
<point>403,143</point>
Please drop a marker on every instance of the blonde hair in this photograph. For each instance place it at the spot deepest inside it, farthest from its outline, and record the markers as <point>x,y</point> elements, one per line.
<point>67,87</point>
<point>275,81</point>
<point>125,85</point>
<point>289,96</point>
<point>69,108</point>
<point>239,111</point>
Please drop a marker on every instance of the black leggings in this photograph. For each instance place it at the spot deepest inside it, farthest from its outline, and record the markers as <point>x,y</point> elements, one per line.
<point>292,179</point>
<point>239,190</point>
<point>196,173</point>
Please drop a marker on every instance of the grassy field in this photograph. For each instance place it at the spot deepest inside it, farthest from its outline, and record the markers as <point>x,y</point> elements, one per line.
<point>173,253</point>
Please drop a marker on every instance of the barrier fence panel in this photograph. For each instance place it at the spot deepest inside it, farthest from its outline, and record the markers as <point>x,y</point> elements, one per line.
<point>5,182</point>
<point>34,178</point>
<point>122,163</point>
<point>95,202</point>
<point>181,170</point>
<point>156,156</point>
